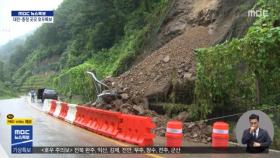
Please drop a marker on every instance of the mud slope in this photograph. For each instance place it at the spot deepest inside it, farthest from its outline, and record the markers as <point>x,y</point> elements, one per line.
<point>154,73</point>
<point>191,24</point>
<point>229,15</point>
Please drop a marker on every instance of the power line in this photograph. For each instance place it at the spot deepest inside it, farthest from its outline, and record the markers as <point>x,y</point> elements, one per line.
<point>231,115</point>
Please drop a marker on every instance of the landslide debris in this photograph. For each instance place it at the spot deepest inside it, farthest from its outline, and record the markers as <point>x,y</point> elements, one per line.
<point>191,24</point>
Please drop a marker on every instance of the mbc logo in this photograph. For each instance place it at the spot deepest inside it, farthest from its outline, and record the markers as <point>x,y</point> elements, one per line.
<point>22,132</point>
<point>257,13</point>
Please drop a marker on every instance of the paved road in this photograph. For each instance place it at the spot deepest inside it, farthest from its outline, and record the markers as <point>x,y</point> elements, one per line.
<point>50,131</point>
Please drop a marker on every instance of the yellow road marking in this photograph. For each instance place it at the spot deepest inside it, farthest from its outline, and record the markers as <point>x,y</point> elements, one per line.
<point>154,156</point>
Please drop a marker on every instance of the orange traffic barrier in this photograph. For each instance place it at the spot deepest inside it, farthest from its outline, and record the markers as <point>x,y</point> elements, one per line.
<point>53,107</point>
<point>220,135</point>
<point>129,128</point>
<point>82,116</point>
<point>63,110</point>
<point>104,122</point>
<point>174,134</point>
<point>136,130</point>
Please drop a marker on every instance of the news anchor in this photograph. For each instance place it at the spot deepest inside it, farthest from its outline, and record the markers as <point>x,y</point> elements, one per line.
<point>256,138</point>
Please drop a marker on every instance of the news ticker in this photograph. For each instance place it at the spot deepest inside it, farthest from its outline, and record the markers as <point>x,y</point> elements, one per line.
<point>133,150</point>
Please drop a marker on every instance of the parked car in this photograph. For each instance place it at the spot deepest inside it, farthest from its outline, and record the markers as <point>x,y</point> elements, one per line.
<point>49,94</point>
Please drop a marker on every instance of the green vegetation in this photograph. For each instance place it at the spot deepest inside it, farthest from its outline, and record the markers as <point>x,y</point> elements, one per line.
<point>75,81</point>
<point>139,22</point>
<point>274,114</point>
<point>242,74</point>
<point>172,109</point>
<point>38,81</point>
<point>107,35</point>
<point>5,92</point>
<point>5,89</point>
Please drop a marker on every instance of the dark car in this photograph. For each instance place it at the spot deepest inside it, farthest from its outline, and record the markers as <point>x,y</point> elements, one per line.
<point>49,94</point>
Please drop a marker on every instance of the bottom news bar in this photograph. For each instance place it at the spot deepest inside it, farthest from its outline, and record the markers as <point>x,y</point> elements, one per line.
<point>138,150</point>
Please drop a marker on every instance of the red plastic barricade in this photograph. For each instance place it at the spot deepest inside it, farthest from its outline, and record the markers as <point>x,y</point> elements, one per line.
<point>53,106</point>
<point>220,135</point>
<point>136,130</point>
<point>104,122</point>
<point>82,116</point>
<point>129,128</point>
<point>63,111</point>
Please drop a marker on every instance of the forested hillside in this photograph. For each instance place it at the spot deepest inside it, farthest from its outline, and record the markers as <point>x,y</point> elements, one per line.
<point>237,70</point>
<point>5,89</point>
<point>8,49</point>
<point>104,35</point>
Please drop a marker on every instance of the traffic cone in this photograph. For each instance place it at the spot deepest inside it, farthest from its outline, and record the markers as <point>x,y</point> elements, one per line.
<point>220,135</point>
<point>174,134</point>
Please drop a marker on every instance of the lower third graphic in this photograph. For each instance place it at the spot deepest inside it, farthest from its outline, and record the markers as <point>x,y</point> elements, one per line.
<point>22,139</point>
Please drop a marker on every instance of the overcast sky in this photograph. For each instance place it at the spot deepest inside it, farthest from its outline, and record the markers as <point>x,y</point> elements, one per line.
<point>10,30</point>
